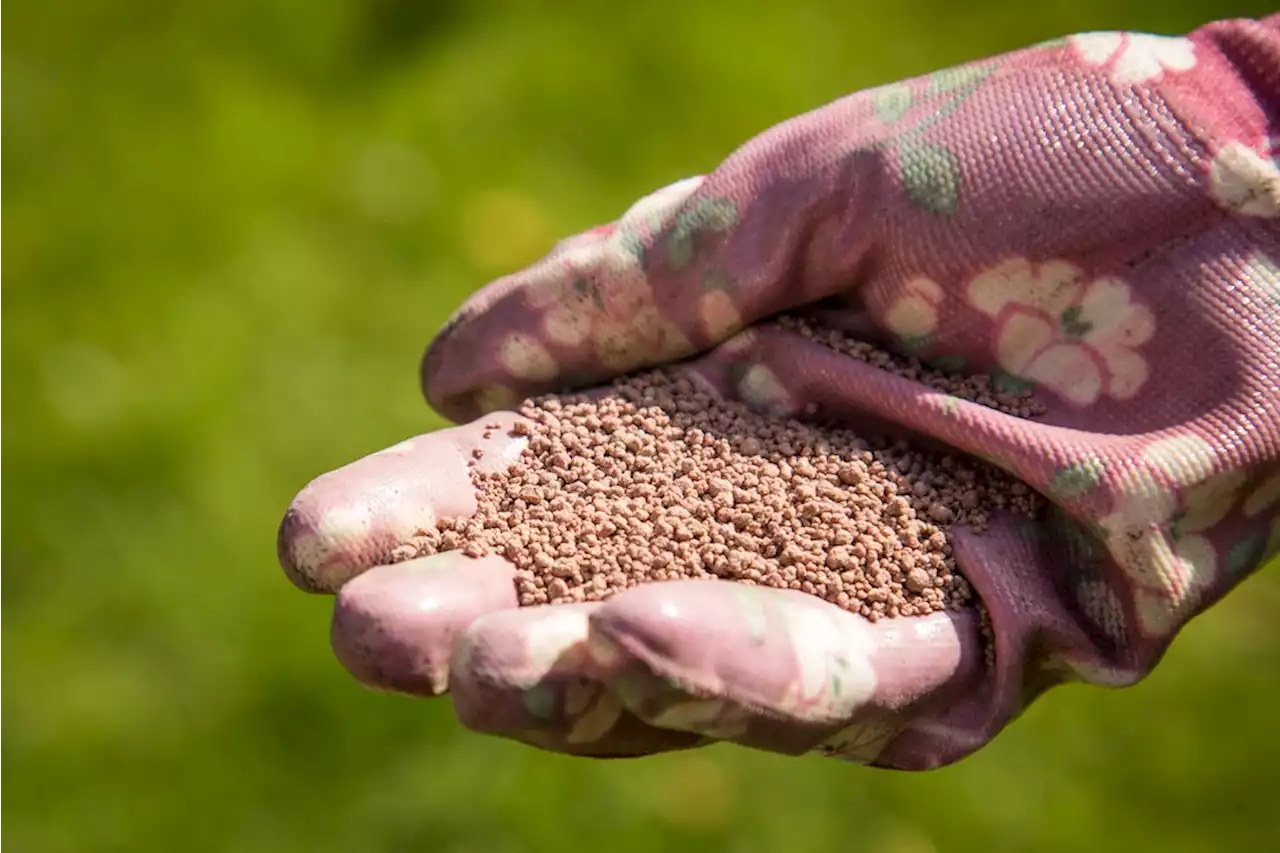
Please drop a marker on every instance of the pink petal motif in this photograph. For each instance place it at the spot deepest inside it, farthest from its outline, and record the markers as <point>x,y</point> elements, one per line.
<point>991,291</point>
<point>1071,370</point>
<point>1097,48</point>
<point>1198,564</point>
<point>1136,549</point>
<point>761,389</point>
<point>1170,565</point>
<point>1184,571</point>
<point>1143,501</point>
<point>1128,371</point>
<point>1208,503</point>
<point>1245,181</point>
<point>1138,57</point>
<point>526,358</point>
<point>1022,337</point>
<point>1051,287</point>
<point>1112,317</point>
<point>719,315</point>
<point>926,289</point>
<point>1135,65</point>
<point>1147,57</point>
<point>1157,616</point>
<point>1055,287</point>
<point>1183,460</point>
<point>567,327</point>
<point>911,316</point>
<point>1176,53</point>
<point>915,310</point>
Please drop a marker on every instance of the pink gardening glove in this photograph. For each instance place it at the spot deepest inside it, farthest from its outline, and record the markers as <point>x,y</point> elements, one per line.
<point>1097,218</point>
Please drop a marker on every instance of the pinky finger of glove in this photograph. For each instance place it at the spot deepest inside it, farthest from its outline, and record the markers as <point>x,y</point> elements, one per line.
<point>780,670</point>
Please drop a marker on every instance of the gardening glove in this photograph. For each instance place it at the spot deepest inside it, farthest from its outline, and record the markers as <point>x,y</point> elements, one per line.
<point>1096,219</point>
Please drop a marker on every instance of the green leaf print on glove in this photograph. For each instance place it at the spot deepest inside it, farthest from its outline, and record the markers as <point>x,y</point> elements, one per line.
<point>930,176</point>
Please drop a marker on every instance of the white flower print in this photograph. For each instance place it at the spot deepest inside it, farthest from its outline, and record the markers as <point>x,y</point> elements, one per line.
<point>1246,181</point>
<point>1135,57</point>
<point>593,289</point>
<point>834,676</point>
<point>1078,337</point>
<point>1163,551</point>
<point>914,310</point>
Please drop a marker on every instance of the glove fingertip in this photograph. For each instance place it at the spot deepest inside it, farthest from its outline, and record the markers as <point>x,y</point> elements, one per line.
<point>395,627</point>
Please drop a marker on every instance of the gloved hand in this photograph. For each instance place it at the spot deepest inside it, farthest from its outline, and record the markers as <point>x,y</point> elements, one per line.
<point>1096,217</point>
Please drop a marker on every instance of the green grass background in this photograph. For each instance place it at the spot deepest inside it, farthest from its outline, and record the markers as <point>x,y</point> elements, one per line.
<point>229,230</point>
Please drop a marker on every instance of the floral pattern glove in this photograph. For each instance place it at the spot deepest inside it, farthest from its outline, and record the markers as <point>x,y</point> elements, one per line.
<point>1096,218</point>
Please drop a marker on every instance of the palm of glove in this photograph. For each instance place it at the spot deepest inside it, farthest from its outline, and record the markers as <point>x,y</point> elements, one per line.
<point>1048,218</point>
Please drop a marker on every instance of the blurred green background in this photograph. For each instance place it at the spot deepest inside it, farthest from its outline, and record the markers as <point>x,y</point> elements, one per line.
<point>231,227</point>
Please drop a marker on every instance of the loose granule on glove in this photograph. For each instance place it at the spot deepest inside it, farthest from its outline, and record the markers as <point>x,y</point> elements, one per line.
<point>660,480</point>
<point>977,388</point>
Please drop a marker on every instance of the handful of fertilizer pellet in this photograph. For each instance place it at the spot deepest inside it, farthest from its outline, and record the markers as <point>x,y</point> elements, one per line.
<point>657,479</point>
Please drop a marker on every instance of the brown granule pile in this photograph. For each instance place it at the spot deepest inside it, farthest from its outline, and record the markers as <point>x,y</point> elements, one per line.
<point>658,480</point>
